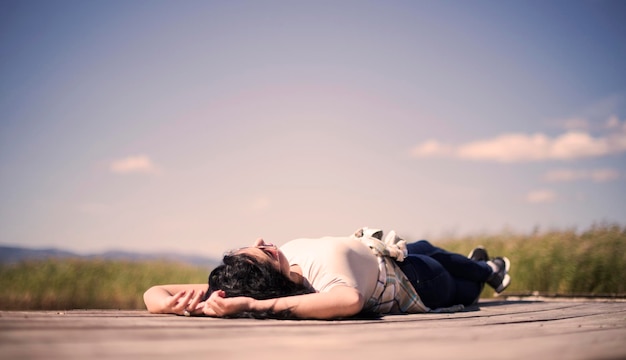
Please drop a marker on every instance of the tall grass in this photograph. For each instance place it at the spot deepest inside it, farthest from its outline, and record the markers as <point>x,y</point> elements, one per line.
<point>592,262</point>
<point>57,284</point>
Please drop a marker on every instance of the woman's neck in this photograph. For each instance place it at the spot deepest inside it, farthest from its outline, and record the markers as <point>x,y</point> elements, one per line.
<point>296,274</point>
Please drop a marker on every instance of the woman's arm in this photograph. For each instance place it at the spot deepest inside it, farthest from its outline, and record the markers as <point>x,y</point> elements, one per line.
<point>173,298</point>
<point>340,301</point>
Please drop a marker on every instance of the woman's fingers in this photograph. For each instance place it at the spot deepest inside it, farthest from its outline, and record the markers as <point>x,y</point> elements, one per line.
<point>215,303</point>
<point>173,300</point>
<point>183,302</point>
<point>195,301</point>
<point>222,306</point>
<point>207,309</point>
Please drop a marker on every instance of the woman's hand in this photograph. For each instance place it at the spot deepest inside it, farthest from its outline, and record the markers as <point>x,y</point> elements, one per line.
<point>219,305</point>
<point>183,301</point>
<point>174,298</point>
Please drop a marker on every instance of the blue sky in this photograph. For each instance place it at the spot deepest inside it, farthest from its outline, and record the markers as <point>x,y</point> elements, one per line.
<point>198,126</point>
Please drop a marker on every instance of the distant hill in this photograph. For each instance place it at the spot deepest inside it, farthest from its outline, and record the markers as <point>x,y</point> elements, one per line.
<point>12,254</point>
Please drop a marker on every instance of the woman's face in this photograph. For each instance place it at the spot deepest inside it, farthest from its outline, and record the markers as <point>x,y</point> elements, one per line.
<point>267,252</point>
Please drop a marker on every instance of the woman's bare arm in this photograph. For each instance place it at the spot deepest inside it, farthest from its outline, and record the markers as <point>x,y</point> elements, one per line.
<point>340,301</point>
<point>173,298</point>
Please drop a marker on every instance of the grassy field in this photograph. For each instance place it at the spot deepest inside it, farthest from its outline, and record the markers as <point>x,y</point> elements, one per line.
<point>87,284</point>
<point>592,262</point>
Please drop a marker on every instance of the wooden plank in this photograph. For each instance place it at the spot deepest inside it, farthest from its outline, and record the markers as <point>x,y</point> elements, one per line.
<point>496,329</point>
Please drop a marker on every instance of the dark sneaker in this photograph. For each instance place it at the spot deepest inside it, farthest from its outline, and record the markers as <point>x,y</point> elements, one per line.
<point>479,254</point>
<point>500,278</point>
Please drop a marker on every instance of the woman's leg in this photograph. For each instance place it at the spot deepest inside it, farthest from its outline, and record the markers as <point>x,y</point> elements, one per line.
<point>467,292</point>
<point>457,265</point>
<point>435,286</point>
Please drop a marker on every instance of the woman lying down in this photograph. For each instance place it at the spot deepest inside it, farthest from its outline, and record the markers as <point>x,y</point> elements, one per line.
<point>335,277</point>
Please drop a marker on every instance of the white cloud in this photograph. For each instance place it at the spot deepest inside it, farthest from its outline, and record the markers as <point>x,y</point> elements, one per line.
<point>574,145</point>
<point>506,148</point>
<point>540,196</point>
<point>432,148</point>
<point>566,175</point>
<point>133,164</point>
<point>514,147</point>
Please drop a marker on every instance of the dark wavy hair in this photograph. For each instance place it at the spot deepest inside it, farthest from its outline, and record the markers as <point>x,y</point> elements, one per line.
<point>244,275</point>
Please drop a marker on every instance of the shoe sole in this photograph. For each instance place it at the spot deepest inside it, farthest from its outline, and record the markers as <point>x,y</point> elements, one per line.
<point>507,263</point>
<point>506,281</point>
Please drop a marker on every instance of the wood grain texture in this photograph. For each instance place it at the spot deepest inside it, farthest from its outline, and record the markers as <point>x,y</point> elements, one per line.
<point>496,329</point>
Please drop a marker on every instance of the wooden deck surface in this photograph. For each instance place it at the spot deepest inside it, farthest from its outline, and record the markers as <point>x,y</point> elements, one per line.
<point>496,329</point>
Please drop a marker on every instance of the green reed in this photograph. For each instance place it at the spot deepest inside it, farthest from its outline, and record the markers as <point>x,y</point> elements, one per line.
<point>57,284</point>
<point>558,262</point>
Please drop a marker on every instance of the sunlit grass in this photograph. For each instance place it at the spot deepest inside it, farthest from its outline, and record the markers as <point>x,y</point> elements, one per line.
<point>81,284</point>
<point>565,262</point>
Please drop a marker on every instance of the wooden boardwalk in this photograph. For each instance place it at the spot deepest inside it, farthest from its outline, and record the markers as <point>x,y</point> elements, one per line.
<point>496,329</point>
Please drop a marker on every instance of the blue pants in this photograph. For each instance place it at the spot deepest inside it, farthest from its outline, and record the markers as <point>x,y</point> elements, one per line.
<point>442,278</point>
